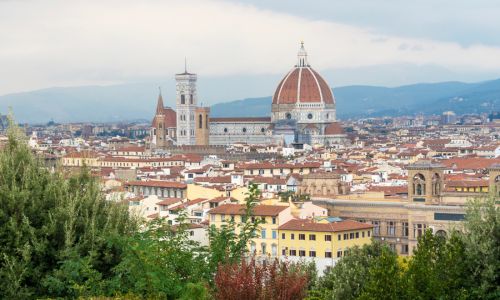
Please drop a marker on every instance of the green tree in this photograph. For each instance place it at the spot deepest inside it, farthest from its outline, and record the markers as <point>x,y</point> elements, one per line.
<point>384,278</point>
<point>229,244</point>
<point>54,231</point>
<point>481,239</point>
<point>347,278</point>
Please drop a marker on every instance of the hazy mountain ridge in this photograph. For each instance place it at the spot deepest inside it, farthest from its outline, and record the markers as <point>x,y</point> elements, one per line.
<point>366,101</point>
<point>138,101</point>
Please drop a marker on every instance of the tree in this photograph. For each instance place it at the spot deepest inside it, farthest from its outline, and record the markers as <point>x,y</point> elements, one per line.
<point>384,278</point>
<point>54,231</point>
<point>260,281</point>
<point>347,278</point>
<point>481,240</point>
<point>229,244</point>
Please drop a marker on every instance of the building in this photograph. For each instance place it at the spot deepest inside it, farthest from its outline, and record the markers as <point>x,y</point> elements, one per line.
<point>431,204</point>
<point>303,111</point>
<point>322,240</point>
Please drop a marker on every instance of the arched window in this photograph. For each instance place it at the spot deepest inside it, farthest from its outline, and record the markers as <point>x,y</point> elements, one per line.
<point>436,185</point>
<point>200,121</point>
<point>191,99</point>
<point>419,185</point>
<point>288,116</point>
<point>183,99</point>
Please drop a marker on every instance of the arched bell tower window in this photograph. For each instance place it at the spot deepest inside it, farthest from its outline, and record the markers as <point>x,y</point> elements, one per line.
<point>200,121</point>
<point>183,99</point>
<point>419,185</point>
<point>288,116</point>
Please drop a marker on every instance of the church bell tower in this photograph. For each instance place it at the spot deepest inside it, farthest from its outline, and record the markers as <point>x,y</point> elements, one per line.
<point>186,102</point>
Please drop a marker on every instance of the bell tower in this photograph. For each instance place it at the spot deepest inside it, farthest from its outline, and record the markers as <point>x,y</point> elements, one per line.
<point>186,102</point>
<point>425,182</point>
<point>159,130</point>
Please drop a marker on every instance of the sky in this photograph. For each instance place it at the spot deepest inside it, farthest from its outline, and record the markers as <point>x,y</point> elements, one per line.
<point>250,44</point>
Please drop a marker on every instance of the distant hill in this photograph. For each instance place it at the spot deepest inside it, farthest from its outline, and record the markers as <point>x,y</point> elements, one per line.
<point>137,101</point>
<point>366,101</point>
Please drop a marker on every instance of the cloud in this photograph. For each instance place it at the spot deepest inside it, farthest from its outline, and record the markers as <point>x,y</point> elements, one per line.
<point>58,43</point>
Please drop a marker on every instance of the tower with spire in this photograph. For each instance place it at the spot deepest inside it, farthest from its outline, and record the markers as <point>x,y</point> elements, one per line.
<point>186,103</point>
<point>163,127</point>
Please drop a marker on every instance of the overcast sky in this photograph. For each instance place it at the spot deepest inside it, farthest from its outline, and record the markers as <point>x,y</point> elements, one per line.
<point>46,43</point>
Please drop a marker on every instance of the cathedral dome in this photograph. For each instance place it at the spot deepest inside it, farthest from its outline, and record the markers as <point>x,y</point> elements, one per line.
<point>303,85</point>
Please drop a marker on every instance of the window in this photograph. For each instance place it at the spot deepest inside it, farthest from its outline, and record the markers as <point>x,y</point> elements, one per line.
<point>225,130</point>
<point>312,237</point>
<point>392,247</point>
<point>263,247</point>
<point>183,99</point>
<point>405,229</point>
<point>418,230</point>
<point>283,235</point>
<point>339,253</point>
<point>263,219</point>
<point>328,254</point>
<point>262,130</point>
<point>191,100</point>
<point>292,236</point>
<point>274,234</point>
<point>200,121</point>
<point>351,235</point>
<point>346,252</point>
<point>363,234</point>
<point>212,218</point>
<point>293,252</point>
<point>328,238</point>
<point>191,233</point>
<point>302,237</point>
<point>391,228</point>
<point>312,253</point>
<point>288,116</point>
<point>274,220</point>
<point>376,227</point>
<point>283,251</point>
<point>243,219</point>
<point>222,217</point>
<point>404,249</point>
<point>369,233</point>
<point>340,237</point>
<point>302,253</point>
<point>244,129</point>
<point>309,116</point>
<point>357,235</point>
<point>263,233</point>
<point>261,172</point>
<point>232,218</point>
<point>346,236</point>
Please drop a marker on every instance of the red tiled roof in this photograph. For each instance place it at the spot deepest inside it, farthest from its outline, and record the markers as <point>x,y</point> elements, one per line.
<point>169,201</point>
<point>309,225</point>
<point>156,183</point>
<point>239,209</point>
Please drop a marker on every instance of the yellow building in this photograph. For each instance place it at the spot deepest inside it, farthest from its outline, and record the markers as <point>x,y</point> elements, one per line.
<point>323,238</point>
<point>266,242</point>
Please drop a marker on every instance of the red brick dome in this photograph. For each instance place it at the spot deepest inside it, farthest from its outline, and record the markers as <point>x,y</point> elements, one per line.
<point>303,85</point>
